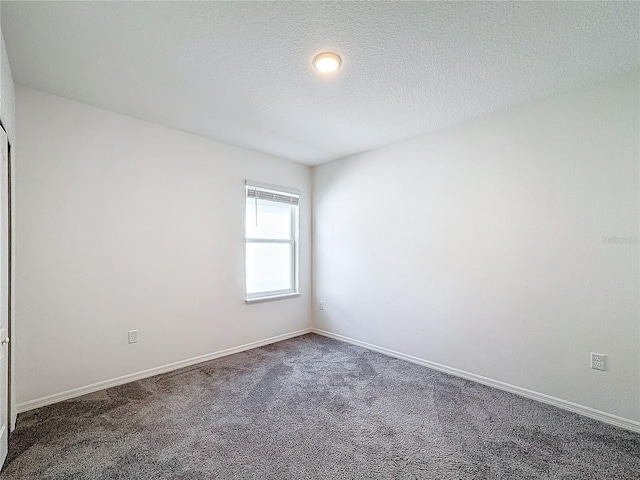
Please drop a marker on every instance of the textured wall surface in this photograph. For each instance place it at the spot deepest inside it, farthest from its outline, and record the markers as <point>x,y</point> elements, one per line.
<point>121,225</point>
<point>506,247</point>
<point>240,72</point>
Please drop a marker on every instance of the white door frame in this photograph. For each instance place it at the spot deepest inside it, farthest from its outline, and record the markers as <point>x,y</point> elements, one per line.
<point>12,413</point>
<point>5,302</point>
<point>11,188</point>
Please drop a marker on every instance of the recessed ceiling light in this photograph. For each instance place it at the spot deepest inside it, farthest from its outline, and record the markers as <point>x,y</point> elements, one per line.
<point>327,62</point>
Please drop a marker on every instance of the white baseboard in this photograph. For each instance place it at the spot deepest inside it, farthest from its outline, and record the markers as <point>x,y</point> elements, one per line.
<point>76,392</point>
<point>523,392</point>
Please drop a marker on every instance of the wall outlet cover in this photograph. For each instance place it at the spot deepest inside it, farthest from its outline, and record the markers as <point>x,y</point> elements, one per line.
<point>598,361</point>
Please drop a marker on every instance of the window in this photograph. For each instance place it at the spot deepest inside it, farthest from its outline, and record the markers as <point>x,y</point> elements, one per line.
<point>271,242</point>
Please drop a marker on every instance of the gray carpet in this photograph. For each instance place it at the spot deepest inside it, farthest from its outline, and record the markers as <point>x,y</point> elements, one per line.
<point>313,408</point>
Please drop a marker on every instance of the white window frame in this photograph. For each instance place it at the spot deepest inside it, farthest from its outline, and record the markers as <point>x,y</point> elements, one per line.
<point>263,190</point>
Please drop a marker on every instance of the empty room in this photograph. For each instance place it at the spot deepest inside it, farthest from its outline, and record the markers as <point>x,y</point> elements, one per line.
<point>319,240</point>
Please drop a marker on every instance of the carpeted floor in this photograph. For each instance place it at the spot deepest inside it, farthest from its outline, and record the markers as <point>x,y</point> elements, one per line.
<point>313,408</point>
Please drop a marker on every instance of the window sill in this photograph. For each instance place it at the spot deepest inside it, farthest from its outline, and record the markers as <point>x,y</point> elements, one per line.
<point>249,301</point>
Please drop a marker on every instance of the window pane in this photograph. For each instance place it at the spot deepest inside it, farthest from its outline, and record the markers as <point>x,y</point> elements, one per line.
<point>268,267</point>
<point>274,219</point>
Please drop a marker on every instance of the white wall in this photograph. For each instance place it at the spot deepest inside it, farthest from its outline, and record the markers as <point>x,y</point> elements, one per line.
<point>481,247</point>
<point>7,93</point>
<point>123,224</point>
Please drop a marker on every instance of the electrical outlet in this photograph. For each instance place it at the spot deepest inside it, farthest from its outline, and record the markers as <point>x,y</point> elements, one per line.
<point>598,361</point>
<point>133,336</point>
<point>321,305</point>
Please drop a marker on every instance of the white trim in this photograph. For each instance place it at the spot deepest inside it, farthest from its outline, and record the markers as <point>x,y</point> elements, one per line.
<point>12,280</point>
<point>273,188</point>
<point>76,392</point>
<point>523,392</point>
<point>270,298</point>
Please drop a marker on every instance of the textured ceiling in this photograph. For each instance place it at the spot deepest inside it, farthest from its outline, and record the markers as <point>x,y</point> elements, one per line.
<point>240,72</point>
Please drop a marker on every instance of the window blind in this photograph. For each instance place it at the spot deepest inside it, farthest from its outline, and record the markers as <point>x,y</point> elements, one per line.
<point>272,193</point>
